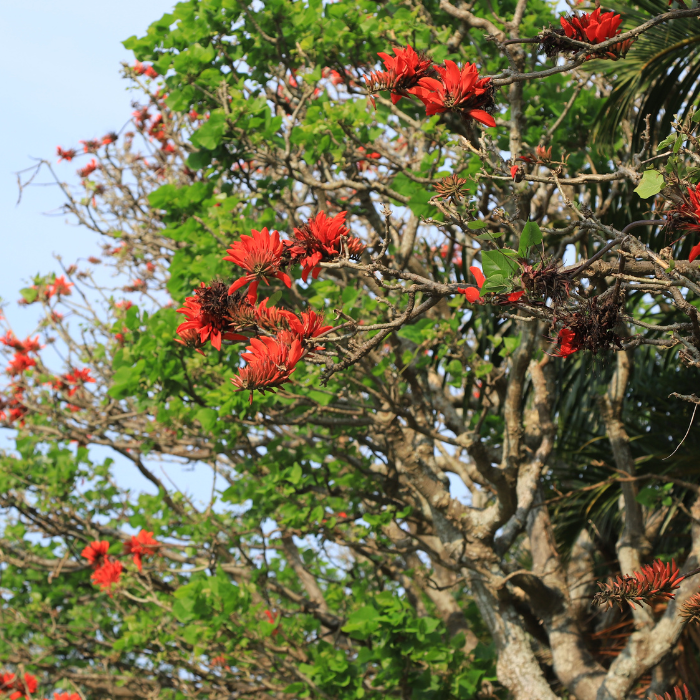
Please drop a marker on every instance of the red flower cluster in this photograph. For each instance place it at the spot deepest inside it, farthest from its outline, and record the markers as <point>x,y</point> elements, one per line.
<point>472,293</point>
<point>89,169</point>
<point>77,378</point>
<point>687,217</point>
<point>66,696</point>
<point>66,155</point>
<point>207,315</point>
<point>148,71</point>
<point>403,71</point>
<point>458,91</point>
<point>320,239</point>
<point>271,361</point>
<point>13,409</point>
<point>657,580</point>
<point>441,89</point>
<point>107,571</point>
<point>21,361</point>
<point>96,553</point>
<point>108,575</point>
<point>18,687</point>
<point>261,255</point>
<point>568,343</point>
<point>141,545</point>
<point>594,28</point>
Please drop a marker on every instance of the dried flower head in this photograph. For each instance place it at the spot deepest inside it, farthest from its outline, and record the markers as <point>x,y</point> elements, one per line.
<point>593,325</point>
<point>452,187</point>
<point>690,610</point>
<point>545,280</point>
<point>656,580</point>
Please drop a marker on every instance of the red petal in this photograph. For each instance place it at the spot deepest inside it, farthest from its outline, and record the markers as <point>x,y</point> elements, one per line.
<point>513,171</point>
<point>253,292</point>
<point>237,285</point>
<point>480,279</point>
<point>481,116</point>
<point>285,278</point>
<point>215,339</point>
<point>695,251</point>
<point>472,293</point>
<point>514,296</point>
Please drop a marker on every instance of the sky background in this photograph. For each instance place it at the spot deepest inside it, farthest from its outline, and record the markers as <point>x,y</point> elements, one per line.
<point>61,80</point>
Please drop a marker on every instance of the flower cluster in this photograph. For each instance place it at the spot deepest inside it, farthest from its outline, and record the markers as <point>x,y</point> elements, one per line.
<point>278,338</point>
<point>690,610</point>
<point>141,545</point>
<point>18,687</point>
<point>148,71</point>
<point>588,27</point>
<point>657,580</point>
<point>107,570</point>
<point>592,328</point>
<point>403,72</point>
<point>441,89</point>
<point>208,316</point>
<point>686,217</point>
<point>319,240</point>
<point>679,693</point>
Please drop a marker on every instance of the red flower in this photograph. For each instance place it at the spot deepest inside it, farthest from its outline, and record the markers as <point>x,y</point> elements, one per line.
<point>60,287</point>
<point>457,91</point>
<point>319,239</point>
<point>514,296</point>
<point>20,688</point>
<point>66,155</point>
<point>207,315</point>
<point>687,217</point>
<point>596,27</point>
<point>270,364</point>
<point>309,326</point>
<point>108,575</point>
<point>66,696</point>
<point>90,146</point>
<point>96,552</point>
<point>403,71</point>
<point>20,363</point>
<point>124,304</point>
<point>472,293</point>
<point>140,546</point>
<point>220,661</point>
<point>140,69</point>
<point>272,619</point>
<point>23,346</point>
<point>261,255</point>
<point>78,377</point>
<point>568,343</point>
<point>514,170</point>
<point>593,27</point>
<point>111,137</point>
<point>270,318</point>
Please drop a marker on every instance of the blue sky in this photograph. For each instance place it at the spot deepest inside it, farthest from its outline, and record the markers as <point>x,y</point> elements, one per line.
<point>62,83</point>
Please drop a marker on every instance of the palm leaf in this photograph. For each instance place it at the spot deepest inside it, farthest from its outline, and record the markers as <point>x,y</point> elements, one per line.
<point>659,76</point>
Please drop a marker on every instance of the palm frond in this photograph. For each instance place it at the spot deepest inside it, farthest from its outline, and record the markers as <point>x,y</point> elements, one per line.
<point>659,76</point>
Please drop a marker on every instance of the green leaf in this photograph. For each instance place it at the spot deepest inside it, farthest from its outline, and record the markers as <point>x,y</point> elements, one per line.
<point>29,294</point>
<point>652,183</point>
<point>210,134</point>
<point>489,236</point>
<point>207,417</point>
<point>495,262</point>
<point>530,236</point>
<point>476,225</point>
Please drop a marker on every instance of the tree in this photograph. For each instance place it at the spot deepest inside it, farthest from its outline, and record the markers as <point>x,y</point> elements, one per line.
<point>434,436</point>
